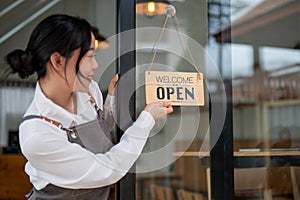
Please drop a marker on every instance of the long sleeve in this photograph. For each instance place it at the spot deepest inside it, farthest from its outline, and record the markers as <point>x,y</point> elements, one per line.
<point>68,165</point>
<point>110,111</point>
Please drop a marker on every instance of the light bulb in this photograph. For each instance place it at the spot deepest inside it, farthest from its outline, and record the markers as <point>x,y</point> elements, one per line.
<point>151,8</point>
<point>97,44</point>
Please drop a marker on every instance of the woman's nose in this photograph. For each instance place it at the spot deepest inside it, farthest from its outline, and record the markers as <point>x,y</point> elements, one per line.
<point>95,65</point>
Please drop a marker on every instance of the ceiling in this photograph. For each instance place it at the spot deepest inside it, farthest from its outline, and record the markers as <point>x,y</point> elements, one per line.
<point>270,23</point>
<point>19,17</point>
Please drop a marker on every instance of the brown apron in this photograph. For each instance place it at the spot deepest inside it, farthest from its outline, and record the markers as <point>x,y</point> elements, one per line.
<point>95,137</point>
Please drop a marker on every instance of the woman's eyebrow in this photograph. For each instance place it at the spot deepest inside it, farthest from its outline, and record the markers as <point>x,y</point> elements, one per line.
<point>92,49</point>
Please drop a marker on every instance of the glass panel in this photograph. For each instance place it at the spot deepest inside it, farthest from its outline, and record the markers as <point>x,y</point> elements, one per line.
<point>175,161</point>
<point>265,63</point>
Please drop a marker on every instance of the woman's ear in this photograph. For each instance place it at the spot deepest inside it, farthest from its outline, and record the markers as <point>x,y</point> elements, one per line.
<point>58,62</point>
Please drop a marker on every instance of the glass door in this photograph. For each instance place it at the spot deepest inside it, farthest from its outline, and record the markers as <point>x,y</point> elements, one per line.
<point>184,155</point>
<point>265,68</point>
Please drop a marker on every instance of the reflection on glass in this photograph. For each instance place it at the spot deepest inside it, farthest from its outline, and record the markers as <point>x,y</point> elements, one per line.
<point>266,99</point>
<point>164,171</point>
<point>264,68</point>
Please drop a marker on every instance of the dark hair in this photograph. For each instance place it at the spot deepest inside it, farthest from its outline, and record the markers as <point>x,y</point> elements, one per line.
<point>56,33</point>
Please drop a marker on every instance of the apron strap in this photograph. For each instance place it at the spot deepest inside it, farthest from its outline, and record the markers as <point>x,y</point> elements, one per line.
<point>100,115</point>
<point>51,121</point>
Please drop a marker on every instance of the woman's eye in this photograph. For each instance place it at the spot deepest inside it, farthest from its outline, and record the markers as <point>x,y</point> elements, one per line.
<point>92,55</point>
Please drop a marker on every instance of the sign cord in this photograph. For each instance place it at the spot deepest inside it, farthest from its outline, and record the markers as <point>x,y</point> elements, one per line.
<point>158,42</point>
<point>183,42</point>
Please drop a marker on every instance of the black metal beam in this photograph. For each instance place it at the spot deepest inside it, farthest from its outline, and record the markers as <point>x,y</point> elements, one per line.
<point>222,159</point>
<point>126,62</point>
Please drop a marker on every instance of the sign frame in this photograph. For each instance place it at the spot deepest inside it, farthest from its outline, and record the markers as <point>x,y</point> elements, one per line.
<point>179,88</point>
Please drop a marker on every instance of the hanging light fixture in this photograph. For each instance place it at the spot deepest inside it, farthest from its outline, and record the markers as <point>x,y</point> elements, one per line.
<point>100,40</point>
<point>151,7</point>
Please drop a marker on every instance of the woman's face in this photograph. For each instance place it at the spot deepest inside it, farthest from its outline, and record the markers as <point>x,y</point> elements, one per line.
<point>87,66</point>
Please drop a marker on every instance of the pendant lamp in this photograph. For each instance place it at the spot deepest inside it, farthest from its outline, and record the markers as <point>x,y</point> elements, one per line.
<point>151,7</point>
<point>100,40</point>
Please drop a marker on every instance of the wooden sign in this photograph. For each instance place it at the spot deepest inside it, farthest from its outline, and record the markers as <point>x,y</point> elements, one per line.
<point>179,88</point>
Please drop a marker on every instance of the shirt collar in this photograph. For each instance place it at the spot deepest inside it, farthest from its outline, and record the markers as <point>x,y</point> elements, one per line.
<point>48,108</point>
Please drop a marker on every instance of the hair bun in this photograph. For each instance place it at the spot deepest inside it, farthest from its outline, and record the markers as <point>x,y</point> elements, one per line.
<point>20,62</point>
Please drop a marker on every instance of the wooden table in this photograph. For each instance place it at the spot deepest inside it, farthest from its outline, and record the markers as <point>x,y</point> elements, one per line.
<point>241,154</point>
<point>14,183</point>
<point>252,158</point>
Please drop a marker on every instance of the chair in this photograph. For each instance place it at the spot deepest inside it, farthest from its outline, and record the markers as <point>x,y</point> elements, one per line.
<point>208,183</point>
<point>252,183</point>
<point>295,176</point>
<point>248,182</point>
<point>187,195</point>
<point>161,192</point>
<point>280,182</point>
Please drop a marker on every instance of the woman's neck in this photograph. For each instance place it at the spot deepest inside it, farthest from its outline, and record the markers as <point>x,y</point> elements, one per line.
<point>59,92</point>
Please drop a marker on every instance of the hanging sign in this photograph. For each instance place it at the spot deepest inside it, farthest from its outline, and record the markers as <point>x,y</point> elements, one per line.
<point>179,88</point>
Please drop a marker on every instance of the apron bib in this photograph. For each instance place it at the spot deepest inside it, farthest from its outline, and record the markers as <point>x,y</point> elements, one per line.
<point>93,136</point>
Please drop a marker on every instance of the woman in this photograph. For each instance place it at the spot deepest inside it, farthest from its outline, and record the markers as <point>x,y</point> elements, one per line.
<point>64,162</point>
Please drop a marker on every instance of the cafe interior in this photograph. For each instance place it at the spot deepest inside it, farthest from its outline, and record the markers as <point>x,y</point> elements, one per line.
<point>242,143</point>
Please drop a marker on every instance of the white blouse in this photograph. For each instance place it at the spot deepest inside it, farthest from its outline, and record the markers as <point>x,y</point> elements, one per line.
<point>53,159</point>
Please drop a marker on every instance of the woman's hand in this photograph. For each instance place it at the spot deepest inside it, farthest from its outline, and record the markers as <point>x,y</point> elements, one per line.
<point>112,85</point>
<point>159,110</point>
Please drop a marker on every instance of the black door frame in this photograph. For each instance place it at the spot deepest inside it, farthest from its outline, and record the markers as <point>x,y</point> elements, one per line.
<point>222,161</point>
<point>125,189</point>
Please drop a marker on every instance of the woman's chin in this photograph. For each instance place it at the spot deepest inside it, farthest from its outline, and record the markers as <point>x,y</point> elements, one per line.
<point>82,86</point>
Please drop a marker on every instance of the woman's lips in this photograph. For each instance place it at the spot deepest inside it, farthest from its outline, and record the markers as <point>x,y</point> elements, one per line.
<point>90,76</point>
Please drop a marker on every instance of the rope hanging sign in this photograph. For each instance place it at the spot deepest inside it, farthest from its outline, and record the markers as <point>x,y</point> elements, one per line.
<point>179,88</point>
